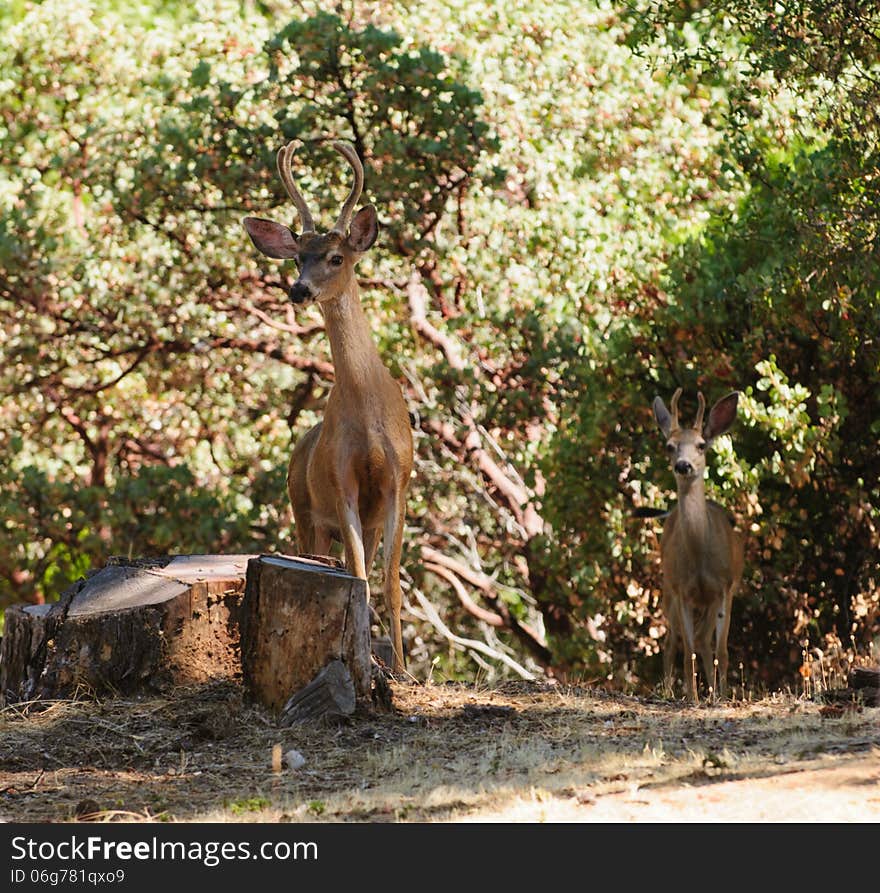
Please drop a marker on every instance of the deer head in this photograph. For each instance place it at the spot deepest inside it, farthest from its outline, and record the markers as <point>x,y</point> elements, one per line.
<point>325,260</point>
<point>687,446</point>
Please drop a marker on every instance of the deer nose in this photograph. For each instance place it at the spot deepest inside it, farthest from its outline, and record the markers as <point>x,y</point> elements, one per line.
<point>300,292</point>
<point>683,467</point>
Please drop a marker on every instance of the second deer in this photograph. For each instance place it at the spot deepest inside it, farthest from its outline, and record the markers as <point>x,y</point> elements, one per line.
<point>702,555</point>
<point>348,476</point>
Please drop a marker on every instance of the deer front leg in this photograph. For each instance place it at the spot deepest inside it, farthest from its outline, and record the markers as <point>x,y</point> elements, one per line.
<point>704,645</point>
<point>670,646</point>
<point>686,615</point>
<point>352,534</point>
<point>392,549</point>
<point>722,627</point>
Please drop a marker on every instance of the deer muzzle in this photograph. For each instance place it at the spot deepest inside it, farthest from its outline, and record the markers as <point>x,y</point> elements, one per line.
<point>300,293</point>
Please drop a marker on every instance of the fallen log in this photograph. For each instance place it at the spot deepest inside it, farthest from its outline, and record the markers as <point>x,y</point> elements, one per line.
<point>864,677</point>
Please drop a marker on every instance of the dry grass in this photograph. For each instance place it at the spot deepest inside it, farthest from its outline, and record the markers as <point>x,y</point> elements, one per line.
<point>519,752</point>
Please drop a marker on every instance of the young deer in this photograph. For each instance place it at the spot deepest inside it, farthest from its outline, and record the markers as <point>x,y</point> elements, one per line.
<point>348,475</point>
<point>702,555</point>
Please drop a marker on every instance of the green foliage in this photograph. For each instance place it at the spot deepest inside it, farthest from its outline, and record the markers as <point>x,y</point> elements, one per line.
<point>602,202</point>
<point>79,526</point>
<point>242,806</point>
<point>400,105</point>
<point>778,296</point>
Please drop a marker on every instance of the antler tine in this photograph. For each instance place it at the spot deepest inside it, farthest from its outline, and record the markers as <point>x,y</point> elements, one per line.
<point>673,409</point>
<point>347,151</point>
<point>701,400</point>
<point>285,156</point>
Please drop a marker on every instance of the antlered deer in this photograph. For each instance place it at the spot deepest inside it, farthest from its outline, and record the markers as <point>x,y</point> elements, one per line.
<point>348,476</point>
<point>702,555</point>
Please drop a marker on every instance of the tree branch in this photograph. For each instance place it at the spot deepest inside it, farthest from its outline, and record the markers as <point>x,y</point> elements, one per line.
<point>452,569</point>
<point>417,296</point>
<point>300,331</point>
<point>467,602</point>
<point>473,644</point>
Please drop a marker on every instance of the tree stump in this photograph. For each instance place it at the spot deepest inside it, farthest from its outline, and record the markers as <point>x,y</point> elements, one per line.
<point>136,624</point>
<point>298,616</point>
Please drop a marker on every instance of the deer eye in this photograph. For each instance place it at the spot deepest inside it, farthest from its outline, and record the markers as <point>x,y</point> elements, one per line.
<point>670,447</point>
<point>701,446</point>
<point>337,260</point>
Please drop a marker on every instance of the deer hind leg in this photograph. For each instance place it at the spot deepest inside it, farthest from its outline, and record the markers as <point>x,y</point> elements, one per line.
<point>371,546</point>
<point>322,540</point>
<point>304,532</point>
<point>300,499</point>
<point>392,549</point>
<point>311,538</point>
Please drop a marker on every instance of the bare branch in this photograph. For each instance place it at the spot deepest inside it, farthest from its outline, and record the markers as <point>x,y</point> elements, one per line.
<point>471,644</point>
<point>516,497</point>
<point>467,602</point>
<point>528,636</point>
<point>298,330</point>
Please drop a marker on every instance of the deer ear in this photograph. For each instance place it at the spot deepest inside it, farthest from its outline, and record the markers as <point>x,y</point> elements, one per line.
<point>661,414</point>
<point>273,239</point>
<point>364,229</point>
<point>721,416</point>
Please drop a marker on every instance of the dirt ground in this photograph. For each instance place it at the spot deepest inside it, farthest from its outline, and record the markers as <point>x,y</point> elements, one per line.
<point>520,752</point>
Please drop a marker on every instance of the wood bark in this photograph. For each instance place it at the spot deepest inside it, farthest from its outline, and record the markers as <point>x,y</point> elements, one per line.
<point>866,680</point>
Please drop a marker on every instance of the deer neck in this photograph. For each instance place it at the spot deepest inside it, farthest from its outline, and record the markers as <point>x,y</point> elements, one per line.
<point>355,358</point>
<point>693,512</point>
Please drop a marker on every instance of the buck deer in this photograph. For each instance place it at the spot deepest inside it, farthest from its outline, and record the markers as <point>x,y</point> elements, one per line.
<point>701,553</point>
<point>348,476</point>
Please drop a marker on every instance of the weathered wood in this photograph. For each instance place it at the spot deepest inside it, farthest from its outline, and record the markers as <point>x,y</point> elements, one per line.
<point>380,692</point>
<point>131,625</point>
<point>299,615</point>
<point>27,630</point>
<point>330,693</point>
